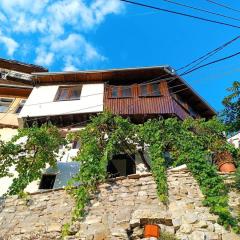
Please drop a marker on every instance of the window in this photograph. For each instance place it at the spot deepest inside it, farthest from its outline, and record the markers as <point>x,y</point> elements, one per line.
<point>121,91</point>
<point>5,103</point>
<point>20,106</point>
<point>47,181</point>
<point>155,89</point>
<point>143,90</point>
<point>121,165</point>
<point>150,90</point>
<point>126,91</point>
<point>68,93</point>
<point>114,91</point>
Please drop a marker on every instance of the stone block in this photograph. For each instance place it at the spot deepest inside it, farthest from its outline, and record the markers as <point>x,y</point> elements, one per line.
<point>54,227</point>
<point>186,228</point>
<point>230,236</point>
<point>190,218</point>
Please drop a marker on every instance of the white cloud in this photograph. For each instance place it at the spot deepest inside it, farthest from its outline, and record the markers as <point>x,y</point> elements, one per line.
<point>43,57</point>
<point>10,44</point>
<point>58,27</point>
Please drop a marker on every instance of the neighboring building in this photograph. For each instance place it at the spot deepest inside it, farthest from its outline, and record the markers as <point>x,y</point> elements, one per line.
<point>235,140</point>
<point>68,99</point>
<point>15,87</point>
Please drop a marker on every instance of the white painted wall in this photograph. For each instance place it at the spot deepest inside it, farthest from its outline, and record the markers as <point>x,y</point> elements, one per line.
<point>235,140</point>
<point>6,134</point>
<point>41,101</point>
<point>66,167</point>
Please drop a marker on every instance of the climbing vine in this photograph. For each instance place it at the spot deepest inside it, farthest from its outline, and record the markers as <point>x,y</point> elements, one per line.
<point>28,153</point>
<point>192,142</point>
<point>105,136</point>
<point>168,143</point>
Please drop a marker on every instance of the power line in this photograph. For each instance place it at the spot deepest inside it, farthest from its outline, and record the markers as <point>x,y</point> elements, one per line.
<point>208,55</point>
<point>170,79</point>
<point>180,13</point>
<point>201,10</point>
<point>223,5</point>
<point>210,63</point>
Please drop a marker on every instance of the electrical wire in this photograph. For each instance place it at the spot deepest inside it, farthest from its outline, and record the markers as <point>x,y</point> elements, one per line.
<point>162,77</point>
<point>210,63</point>
<point>223,5</point>
<point>180,13</point>
<point>202,10</point>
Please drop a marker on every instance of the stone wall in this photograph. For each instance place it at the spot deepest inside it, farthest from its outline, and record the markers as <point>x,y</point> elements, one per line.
<point>119,210</point>
<point>41,216</point>
<point>122,207</point>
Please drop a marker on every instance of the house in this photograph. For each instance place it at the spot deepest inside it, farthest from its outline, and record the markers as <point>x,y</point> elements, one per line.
<point>235,140</point>
<point>15,87</point>
<point>68,99</point>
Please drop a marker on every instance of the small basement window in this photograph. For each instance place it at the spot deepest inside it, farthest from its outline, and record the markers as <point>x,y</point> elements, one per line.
<point>68,93</point>
<point>47,181</point>
<point>5,103</point>
<point>121,165</point>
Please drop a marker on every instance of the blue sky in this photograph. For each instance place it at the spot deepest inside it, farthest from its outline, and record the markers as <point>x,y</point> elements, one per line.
<point>100,34</point>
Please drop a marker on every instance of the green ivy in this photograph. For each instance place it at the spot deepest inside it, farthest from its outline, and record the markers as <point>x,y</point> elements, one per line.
<point>191,142</point>
<point>29,152</point>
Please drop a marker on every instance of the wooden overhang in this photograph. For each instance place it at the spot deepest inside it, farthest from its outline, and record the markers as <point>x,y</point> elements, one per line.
<point>20,66</point>
<point>14,88</point>
<point>129,76</point>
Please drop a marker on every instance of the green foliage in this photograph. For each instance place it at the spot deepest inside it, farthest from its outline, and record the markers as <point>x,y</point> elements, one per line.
<point>28,153</point>
<point>191,142</point>
<point>65,230</point>
<point>104,136</point>
<point>231,113</point>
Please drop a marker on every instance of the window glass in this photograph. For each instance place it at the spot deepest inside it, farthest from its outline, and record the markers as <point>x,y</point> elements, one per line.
<point>143,90</point>
<point>155,89</point>
<point>114,91</point>
<point>126,91</point>
<point>69,93</point>
<point>20,106</point>
<point>5,104</point>
<point>75,93</point>
<point>63,94</point>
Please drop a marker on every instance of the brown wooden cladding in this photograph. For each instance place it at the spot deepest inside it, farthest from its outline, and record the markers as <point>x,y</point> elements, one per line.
<point>179,110</point>
<point>138,105</point>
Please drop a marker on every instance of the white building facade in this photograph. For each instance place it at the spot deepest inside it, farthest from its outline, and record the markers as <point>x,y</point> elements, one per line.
<point>235,140</point>
<point>57,100</point>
